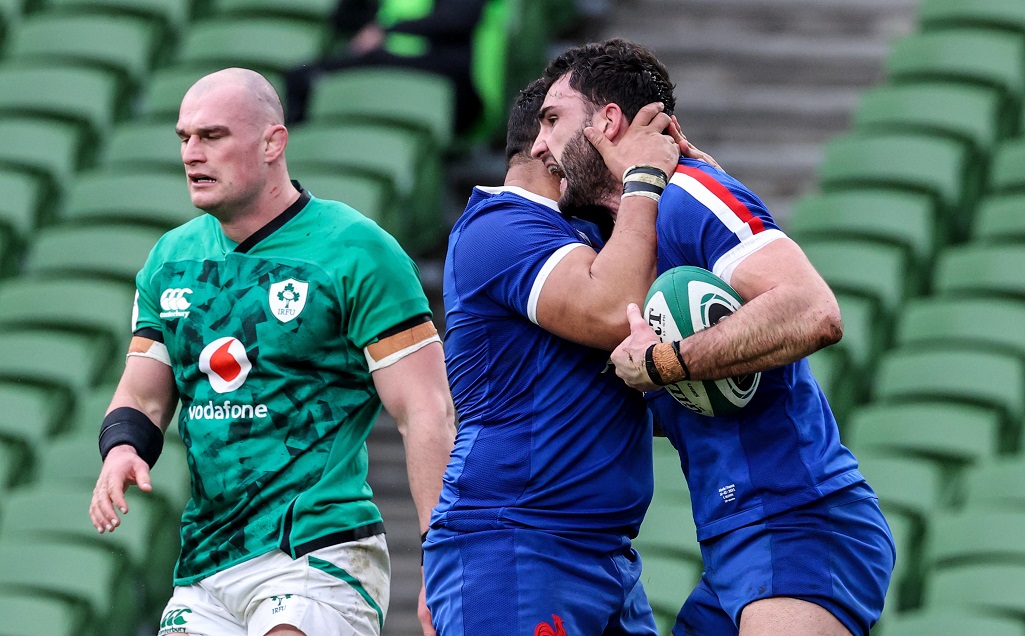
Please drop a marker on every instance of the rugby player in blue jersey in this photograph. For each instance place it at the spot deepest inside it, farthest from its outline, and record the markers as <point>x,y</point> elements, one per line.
<point>792,536</point>
<point>551,472</point>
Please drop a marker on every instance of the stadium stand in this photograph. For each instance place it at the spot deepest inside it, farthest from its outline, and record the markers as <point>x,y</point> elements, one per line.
<point>999,219</point>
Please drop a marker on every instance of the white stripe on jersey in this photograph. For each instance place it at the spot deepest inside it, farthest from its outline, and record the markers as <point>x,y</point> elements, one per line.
<point>724,266</point>
<point>718,207</point>
<point>542,276</point>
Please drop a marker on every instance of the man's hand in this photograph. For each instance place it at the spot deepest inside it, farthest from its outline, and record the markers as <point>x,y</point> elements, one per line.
<point>629,355</point>
<point>122,468</point>
<point>688,149</point>
<point>643,143</point>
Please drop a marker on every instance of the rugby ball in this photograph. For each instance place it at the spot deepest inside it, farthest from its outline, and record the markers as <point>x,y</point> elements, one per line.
<point>682,302</point>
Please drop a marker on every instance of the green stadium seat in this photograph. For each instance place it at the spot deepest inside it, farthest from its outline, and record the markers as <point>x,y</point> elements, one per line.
<point>105,251</point>
<point>67,361</point>
<point>980,270</point>
<point>668,582</point>
<point>158,199</point>
<point>905,585</point>
<point>412,170</point>
<point>832,369</point>
<point>370,196</point>
<point>878,271</point>
<point>974,536</point>
<point>939,167</point>
<point>26,614</point>
<point>949,373</point>
<point>865,333</point>
<point>989,588</point>
<point>976,322</point>
<point>124,44</point>
<point>996,484</point>
<point>971,114</point>
<point>950,622</point>
<point>149,146</point>
<point>98,307</point>
<point>973,56</point>
<point>1008,15</point>
<point>245,42</point>
<point>171,16</point>
<point>889,216</point>
<point>144,538</point>
<point>1007,171</point>
<point>10,15</point>
<point>163,93</point>
<point>315,11</point>
<point>489,69</point>
<point>31,415</point>
<point>953,435</point>
<point>47,148</point>
<point>419,101</point>
<point>668,529</point>
<point>22,205</point>
<point>94,577</point>
<point>15,462</point>
<point>670,485</point>
<point>999,219</point>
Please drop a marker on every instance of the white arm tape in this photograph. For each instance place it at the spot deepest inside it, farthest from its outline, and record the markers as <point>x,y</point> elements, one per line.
<point>389,360</point>
<point>157,351</point>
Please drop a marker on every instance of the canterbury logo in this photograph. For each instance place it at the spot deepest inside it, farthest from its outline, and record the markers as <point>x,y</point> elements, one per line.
<point>555,629</point>
<point>225,364</point>
<point>175,303</point>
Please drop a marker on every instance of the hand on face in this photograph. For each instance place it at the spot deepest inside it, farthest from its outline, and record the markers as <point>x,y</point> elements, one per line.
<point>643,143</point>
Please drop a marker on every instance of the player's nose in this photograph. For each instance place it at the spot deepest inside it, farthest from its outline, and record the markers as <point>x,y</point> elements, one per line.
<point>540,147</point>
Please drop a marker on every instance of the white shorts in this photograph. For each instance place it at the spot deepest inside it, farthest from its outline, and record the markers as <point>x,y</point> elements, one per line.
<point>341,589</point>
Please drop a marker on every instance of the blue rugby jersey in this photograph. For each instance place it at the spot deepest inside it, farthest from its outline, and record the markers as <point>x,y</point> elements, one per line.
<point>548,437</point>
<point>782,450</point>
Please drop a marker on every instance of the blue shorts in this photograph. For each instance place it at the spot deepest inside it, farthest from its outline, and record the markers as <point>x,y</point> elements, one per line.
<point>836,552</point>
<point>529,583</point>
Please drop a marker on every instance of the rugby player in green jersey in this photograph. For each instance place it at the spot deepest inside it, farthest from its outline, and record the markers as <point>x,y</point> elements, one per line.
<point>282,322</point>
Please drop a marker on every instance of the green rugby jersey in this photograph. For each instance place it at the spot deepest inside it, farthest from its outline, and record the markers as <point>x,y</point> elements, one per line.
<point>266,343</point>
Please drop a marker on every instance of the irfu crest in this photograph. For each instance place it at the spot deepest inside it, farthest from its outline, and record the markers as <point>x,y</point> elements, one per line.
<point>287,299</point>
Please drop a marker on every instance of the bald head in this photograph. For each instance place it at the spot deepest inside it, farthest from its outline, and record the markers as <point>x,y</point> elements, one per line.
<point>250,92</point>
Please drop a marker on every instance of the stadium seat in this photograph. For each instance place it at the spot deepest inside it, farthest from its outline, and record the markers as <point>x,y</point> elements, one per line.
<point>315,11</point>
<point>117,252</point>
<point>98,307</point>
<point>1007,170</point>
<point>412,170</point>
<point>47,148</point>
<point>67,361</point>
<point>92,576</point>
<point>832,369</point>
<point>21,210</point>
<point>996,484</point>
<point>949,373</point>
<point>950,622</point>
<point>980,270</point>
<point>670,484</point>
<point>489,69</point>
<point>989,588</point>
<point>30,416</point>
<point>974,536</point>
<point>668,582</point>
<point>170,16</point>
<point>419,101</point>
<point>971,114</point>
<point>158,199</point>
<point>973,56</point>
<point>1006,15</point>
<point>124,44</point>
<point>902,218</point>
<point>953,435</point>
<point>865,334</point>
<point>28,614</point>
<point>149,146</point>
<point>877,271</point>
<point>998,219</point>
<point>369,196</point>
<point>905,581</point>
<point>144,538</point>
<point>245,42</point>
<point>995,323</point>
<point>668,529</point>
<point>916,162</point>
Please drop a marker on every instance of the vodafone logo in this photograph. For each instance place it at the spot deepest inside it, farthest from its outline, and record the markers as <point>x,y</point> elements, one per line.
<point>225,364</point>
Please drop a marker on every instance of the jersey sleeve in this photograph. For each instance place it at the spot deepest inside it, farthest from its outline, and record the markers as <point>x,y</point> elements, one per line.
<point>503,255</point>
<point>708,219</point>
<point>146,310</point>
<point>383,289</point>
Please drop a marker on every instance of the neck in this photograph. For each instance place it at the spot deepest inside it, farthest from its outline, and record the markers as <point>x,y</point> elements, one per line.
<point>533,177</point>
<point>243,223</point>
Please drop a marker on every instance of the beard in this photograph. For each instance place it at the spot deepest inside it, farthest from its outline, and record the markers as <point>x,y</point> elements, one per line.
<point>589,183</point>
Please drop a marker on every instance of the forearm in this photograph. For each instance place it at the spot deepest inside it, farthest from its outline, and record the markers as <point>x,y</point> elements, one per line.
<point>428,437</point>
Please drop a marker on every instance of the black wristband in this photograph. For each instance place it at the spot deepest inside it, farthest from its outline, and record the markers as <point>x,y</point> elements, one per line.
<point>125,425</point>
<point>423,537</point>
<point>679,358</point>
<point>649,364</point>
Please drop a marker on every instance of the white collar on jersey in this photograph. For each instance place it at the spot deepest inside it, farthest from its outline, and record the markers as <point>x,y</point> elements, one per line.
<point>526,194</point>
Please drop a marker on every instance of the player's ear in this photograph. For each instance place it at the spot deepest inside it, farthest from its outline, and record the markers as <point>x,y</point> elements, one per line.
<point>611,121</point>
<point>275,138</point>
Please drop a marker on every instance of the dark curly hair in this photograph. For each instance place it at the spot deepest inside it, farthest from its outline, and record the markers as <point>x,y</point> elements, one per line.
<point>617,72</point>
<point>523,126</point>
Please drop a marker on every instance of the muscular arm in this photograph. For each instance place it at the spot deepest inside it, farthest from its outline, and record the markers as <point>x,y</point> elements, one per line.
<point>415,392</point>
<point>789,313</point>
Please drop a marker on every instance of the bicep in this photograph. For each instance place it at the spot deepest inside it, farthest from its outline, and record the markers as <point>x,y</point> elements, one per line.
<point>416,383</point>
<point>779,265</point>
<point>562,306</point>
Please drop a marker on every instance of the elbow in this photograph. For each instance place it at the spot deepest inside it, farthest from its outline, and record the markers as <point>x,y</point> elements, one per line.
<point>828,326</point>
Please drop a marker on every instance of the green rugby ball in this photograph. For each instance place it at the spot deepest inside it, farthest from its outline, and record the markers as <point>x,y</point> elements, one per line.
<point>682,302</point>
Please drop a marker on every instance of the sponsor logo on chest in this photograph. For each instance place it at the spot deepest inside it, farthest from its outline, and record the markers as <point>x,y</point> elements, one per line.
<point>174,302</point>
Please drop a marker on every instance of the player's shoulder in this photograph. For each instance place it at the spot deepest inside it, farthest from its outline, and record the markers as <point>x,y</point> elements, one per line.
<point>192,237</point>
<point>699,186</point>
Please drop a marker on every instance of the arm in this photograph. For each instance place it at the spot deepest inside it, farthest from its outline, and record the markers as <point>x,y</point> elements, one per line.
<point>583,298</point>
<point>451,21</point>
<point>147,385</point>
<point>789,313</point>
